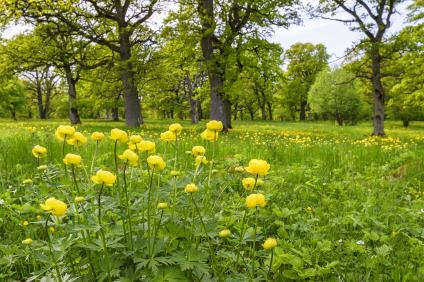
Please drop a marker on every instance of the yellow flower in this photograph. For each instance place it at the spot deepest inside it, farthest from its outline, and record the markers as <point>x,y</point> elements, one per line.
<point>31,129</point>
<point>255,200</point>
<point>135,139</point>
<point>198,150</point>
<point>156,162</point>
<point>39,151</point>
<point>308,209</point>
<point>209,135</point>
<point>130,157</point>
<point>214,125</point>
<point>176,128</point>
<point>42,167</point>
<point>175,173</point>
<point>146,146</point>
<point>224,233</point>
<point>79,199</point>
<point>162,205</point>
<point>27,241</point>
<point>97,136</point>
<point>25,223</point>
<point>104,177</point>
<point>168,136</point>
<point>27,181</point>
<point>269,243</point>
<point>72,159</point>
<point>239,168</point>
<point>191,188</point>
<point>77,139</point>
<point>38,217</point>
<point>54,206</point>
<point>51,229</point>
<point>260,167</point>
<point>64,131</point>
<point>119,135</point>
<point>248,183</point>
<point>200,160</point>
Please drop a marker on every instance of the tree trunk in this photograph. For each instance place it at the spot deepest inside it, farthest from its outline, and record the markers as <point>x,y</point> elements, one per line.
<point>115,114</point>
<point>46,109</point>
<point>378,93</point>
<point>269,106</point>
<point>194,114</point>
<point>39,91</point>
<point>235,111</point>
<point>13,112</point>
<point>303,110</point>
<point>405,123</point>
<point>72,93</point>
<point>217,103</point>
<point>133,117</point>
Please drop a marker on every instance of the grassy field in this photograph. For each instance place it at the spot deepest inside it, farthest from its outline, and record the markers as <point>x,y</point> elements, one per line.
<point>343,206</point>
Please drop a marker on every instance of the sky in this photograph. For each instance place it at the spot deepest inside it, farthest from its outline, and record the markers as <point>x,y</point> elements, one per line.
<point>334,35</point>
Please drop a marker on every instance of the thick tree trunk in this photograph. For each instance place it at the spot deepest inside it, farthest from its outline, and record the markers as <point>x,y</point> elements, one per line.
<point>378,93</point>
<point>39,91</point>
<point>194,114</point>
<point>72,96</point>
<point>133,117</point>
<point>302,111</point>
<point>269,107</point>
<point>217,110</point>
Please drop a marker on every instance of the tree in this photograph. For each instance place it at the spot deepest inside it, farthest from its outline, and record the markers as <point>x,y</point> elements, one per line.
<point>116,24</point>
<point>334,93</point>
<point>306,60</point>
<point>373,19</point>
<point>225,26</point>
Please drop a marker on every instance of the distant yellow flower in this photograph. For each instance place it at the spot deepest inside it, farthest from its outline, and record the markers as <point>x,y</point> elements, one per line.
<point>214,125</point>
<point>39,151</point>
<point>72,159</point>
<point>198,150</point>
<point>79,199</point>
<point>209,135</point>
<point>175,173</point>
<point>25,223</point>
<point>77,139</point>
<point>259,167</point>
<point>269,243</point>
<point>130,157</point>
<point>239,168</point>
<point>104,177</point>
<point>191,188</point>
<point>54,206</point>
<point>27,241</point>
<point>176,128</point>
<point>224,233</point>
<point>259,182</point>
<point>168,136</point>
<point>255,200</point>
<point>200,160</point>
<point>248,183</point>
<point>97,136</point>
<point>135,139</point>
<point>27,182</point>
<point>51,229</point>
<point>146,146</point>
<point>64,131</point>
<point>156,162</point>
<point>31,129</point>
<point>119,135</point>
<point>162,205</point>
<point>38,217</point>
<point>308,209</point>
<point>42,167</point>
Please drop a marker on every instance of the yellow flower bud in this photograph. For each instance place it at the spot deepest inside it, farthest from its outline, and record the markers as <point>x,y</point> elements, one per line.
<point>198,150</point>
<point>27,241</point>
<point>72,159</point>
<point>27,182</point>
<point>79,199</point>
<point>156,162</point>
<point>119,135</point>
<point>146,146</point>
<point>135,139</point>
<point>77,139</point>
<point>39,151</point>
<point>162,205</point>
<point>175,173</point>
<point>176,128</point>
<point>224,233</point>
<point>130,157</point>
<point>104,177</point>
<point>168,136</point>
<point>214,125</point>
<point>269,243</point>
<point>97,136</point>
<point>209,135</point>
<point>191,188</point>
<point>255,200</point>
<point>248,183</point>
<point>64,131</point>
<point>259,167</point>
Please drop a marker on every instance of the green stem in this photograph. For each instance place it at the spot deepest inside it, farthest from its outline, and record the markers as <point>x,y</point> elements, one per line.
<point>148,210</point>
<point>270,264</point>
<point>254,243</point>
<point>156,232</point>
<point>128,219</point>
<point>75,179</point>
<point>94,157</point>
<point>102,234</point>
<point>46,227</point>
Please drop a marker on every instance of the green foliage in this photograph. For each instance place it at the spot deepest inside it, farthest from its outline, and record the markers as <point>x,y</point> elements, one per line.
<point>334,93</point>
<point>12,95</point>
